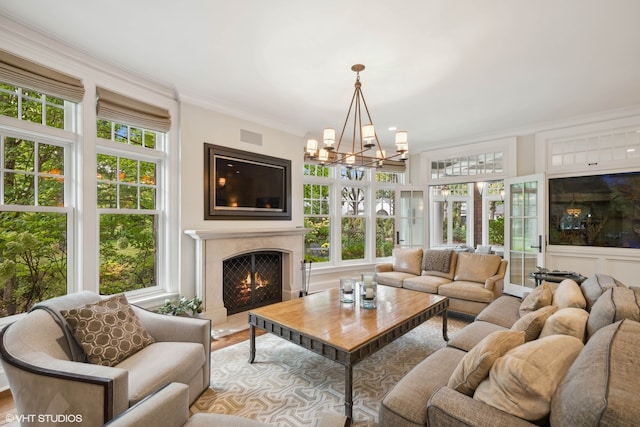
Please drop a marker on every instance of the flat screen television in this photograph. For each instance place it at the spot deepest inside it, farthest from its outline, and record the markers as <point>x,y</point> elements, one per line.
<point>595,210</point>
<point>243,185</point>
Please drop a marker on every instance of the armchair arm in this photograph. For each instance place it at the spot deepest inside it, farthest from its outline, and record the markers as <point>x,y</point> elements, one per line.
<point>42,384</point>
<point>496,282</point>
<point>450,408</point>
<point>384,267</point>
<point>167,328</point>
<point>167,407</point>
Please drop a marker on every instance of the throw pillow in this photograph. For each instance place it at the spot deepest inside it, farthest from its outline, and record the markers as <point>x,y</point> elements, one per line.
<point>566,321</point>
<point>568,294</point>
<point>523,381</point>
<point>539,297</point>
<point>615,304</point>
<point>108,331</point>
<point>474,366</point>
<point>533,322</point>
<point>595,286</point>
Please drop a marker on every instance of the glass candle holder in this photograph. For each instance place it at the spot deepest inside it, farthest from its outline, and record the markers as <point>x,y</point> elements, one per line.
<point>368,295</point>
<point>347,290</point>
<point>368,278</point>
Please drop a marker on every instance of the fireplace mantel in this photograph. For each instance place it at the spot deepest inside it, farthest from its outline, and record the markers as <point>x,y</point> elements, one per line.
<point>215,246</point>
<point>243,233</point>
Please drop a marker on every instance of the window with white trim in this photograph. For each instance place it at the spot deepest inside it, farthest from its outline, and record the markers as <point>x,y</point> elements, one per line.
<point>36,209</point>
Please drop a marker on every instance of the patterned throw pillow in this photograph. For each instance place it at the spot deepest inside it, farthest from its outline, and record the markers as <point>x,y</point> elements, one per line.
<point>108,331</point>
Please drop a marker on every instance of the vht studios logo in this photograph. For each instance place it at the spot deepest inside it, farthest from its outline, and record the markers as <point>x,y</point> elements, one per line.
<point>44,418</point>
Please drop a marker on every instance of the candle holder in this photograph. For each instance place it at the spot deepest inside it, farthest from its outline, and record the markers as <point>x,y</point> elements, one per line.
<point>347,290</point>
<point>368,295</point>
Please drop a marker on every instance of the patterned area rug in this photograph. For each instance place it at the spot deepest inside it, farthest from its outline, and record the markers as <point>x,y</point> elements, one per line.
<point>291,386</point>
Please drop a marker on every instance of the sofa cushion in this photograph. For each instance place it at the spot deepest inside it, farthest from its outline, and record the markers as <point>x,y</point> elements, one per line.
<point>503,311</point>
<point>469,336</point>
<point>539,297</point>
<point>601,387</point>
<point>476,267</point>
<point>108,331</point>
<point>465,290</point>
<point>393,278</point>
<point>474,366</point>
<point>523,381</point>
<point>407,260</point>
<point>595,286</point>
<point>568,294</point>
<point>566,321</point>
<point>161,363</point>
<point>425,283</point>
<point>440,263</point>
<point>614,304</point>
<point>533,322</point>
<point>406,403</point>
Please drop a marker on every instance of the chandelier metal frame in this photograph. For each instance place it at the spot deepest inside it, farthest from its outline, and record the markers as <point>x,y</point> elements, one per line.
<point>363,138</point>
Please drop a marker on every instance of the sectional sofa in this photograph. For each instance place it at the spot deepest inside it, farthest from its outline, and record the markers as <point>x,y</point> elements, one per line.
<point>471,281</point>
<point>565,355</point>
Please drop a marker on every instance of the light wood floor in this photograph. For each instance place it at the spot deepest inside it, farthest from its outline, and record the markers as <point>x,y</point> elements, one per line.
<point>7,405</point>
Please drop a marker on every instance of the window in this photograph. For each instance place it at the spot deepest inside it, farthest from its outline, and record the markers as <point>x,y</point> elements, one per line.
<point>467,218</point>
<point>35,207</point>
<point>128,206</point>
<point>317,215</point>
<point>385,188</point>
<point>344,208</point>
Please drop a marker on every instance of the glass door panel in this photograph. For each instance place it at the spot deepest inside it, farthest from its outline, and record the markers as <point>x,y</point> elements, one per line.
<point>524,225</point>
<point>410,219</point>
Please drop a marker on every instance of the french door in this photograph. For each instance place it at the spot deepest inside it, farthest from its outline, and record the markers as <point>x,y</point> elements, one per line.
<point>410,220</point>
<point>524,231</point>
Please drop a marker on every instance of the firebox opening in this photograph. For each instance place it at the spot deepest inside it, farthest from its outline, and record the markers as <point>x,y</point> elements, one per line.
<point>251,280</point>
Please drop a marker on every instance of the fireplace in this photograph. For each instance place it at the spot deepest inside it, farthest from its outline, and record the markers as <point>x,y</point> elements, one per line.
<point>252,280</point>
<point>213,247</point>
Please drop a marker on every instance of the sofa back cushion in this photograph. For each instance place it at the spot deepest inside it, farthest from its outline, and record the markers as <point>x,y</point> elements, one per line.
<point>476,267</point>
<point>407,260</point>
<point>595,286</point>
<point>431,260</point>
<point>539,297</point>
<point>602,387</point>
<point>615,304</point>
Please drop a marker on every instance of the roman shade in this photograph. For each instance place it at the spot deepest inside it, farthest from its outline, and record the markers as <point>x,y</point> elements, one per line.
<point>122,109</point>
<point>21,72</point>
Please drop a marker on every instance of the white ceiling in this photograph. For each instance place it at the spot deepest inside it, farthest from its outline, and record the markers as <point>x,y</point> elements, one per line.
<point>444,70</point>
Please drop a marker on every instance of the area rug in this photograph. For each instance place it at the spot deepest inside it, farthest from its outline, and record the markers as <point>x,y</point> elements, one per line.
<point>288,385</point>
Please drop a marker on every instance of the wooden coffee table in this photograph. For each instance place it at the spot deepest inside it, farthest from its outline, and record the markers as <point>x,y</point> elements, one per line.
<point>347,333</point>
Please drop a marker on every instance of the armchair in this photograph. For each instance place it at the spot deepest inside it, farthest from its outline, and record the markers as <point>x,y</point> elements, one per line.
<point>45,378</point>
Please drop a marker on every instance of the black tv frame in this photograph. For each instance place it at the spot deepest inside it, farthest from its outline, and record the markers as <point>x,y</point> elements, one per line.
<point>215,212</point>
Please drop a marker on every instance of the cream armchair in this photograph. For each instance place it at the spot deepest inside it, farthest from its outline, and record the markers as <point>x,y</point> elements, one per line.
<point>45,379</point>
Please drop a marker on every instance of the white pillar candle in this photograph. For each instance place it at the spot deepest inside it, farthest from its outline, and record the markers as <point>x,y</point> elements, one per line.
<point>369,293</point>
<point>348,287</point>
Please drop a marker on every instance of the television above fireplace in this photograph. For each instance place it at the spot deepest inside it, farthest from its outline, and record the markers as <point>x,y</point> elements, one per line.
<point>243,185</point>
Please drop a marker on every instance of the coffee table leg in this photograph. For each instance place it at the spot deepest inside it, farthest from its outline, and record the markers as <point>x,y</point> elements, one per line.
<point>444,326</point>
<point>348,391</point>
<point>252,343</point>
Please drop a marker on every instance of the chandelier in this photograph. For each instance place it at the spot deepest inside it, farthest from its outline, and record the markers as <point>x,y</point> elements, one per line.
<point>358,152</point>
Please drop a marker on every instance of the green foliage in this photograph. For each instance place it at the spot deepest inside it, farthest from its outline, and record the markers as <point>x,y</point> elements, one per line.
<point>184,307</point>
<point>496,231</point>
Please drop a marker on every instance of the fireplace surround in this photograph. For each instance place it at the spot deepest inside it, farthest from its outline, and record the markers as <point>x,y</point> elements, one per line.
<point>213,247</point>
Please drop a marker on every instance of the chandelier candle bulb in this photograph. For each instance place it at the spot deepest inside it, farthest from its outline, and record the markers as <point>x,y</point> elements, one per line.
<point>312,147</point>
<point>329,138</point>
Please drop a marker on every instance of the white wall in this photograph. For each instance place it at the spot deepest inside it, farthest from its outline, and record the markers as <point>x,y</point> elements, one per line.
<point>199,125</point>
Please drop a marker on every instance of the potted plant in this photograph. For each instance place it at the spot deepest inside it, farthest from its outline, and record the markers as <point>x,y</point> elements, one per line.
<point>184,307</point>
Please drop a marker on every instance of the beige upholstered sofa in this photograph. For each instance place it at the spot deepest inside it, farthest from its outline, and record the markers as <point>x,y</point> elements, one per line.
<point>45,377</point>
<point>471,281</point>
<point>544,360</point>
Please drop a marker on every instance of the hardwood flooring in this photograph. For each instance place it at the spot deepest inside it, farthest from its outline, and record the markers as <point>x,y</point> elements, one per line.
<point>7,406</point>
